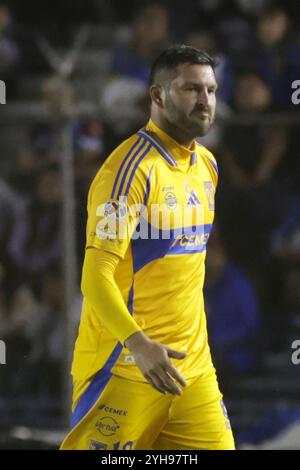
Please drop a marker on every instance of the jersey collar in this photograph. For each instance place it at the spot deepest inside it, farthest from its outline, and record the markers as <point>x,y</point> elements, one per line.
<point>180,155</point>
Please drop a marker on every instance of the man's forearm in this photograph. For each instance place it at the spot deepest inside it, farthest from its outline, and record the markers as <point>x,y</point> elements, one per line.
<point>102,293</point>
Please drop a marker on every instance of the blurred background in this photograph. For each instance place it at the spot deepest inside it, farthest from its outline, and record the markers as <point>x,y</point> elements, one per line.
<point>76,75</point>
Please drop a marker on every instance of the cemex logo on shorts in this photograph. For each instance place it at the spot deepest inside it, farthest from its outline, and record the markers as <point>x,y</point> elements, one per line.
<point>114,411</point>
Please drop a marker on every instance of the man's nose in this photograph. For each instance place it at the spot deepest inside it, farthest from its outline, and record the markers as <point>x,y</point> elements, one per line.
<point>203,98</point>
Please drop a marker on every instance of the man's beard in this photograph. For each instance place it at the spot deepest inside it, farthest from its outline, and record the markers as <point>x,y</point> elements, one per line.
<point>195,128</point>
<point>203,128</point>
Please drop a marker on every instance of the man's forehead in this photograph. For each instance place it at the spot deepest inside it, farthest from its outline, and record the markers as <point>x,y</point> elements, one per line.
<point>195,73</point>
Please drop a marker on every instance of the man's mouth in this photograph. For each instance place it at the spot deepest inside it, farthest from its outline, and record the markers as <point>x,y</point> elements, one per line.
<point>202,114</point>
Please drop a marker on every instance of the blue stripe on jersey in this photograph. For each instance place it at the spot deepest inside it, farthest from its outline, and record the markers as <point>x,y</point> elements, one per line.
<point>159,146</point>
<point>135,167</point>
<point>130,300</point>
<point>129,164</point>
<point>100,380</point>
<point>127,156</point>
<point>180,241</point>
<point>193,158</point>
<point>214,165</point>
<point>96,387</point>
<point>148,186</point>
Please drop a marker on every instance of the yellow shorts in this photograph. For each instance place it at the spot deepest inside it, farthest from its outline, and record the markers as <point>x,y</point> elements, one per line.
<point>133,415</point>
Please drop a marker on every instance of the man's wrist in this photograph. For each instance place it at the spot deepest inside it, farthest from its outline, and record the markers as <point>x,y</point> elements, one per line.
<point>135,340</point>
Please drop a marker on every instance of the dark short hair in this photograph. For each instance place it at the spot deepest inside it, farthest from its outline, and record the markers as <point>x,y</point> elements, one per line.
<point>178,54</point>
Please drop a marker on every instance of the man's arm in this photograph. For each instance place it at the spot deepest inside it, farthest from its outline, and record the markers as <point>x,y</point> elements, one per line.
<point>102,293</point>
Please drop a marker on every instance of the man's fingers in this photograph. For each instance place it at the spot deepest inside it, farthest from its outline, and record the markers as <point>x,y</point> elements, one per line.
<point>158,369</point>
<point>163,383</point>
<point>155,383</point>
<point>169,385</point>
<point>173,372</point>
<point>167,381</point>
<point>175,354</point>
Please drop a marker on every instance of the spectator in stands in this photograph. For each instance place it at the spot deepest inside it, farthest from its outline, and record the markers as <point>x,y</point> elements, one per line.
<point>249,196</point>
<point>285,240</point>
<point>278,55</point>
<point>9,50</point>
<point>125,98</point>
<point>232,312</point>
<point>10,209</point>
<point>235,33</point>
<point>36,239</point>
<point>292,296</point>
<point>285,247</point>
<point>11,206</point>
<point>38,150</point>
<point>3,306</point>
<point>34,332</point>
<point>149,35</point>
<point>253,95</point>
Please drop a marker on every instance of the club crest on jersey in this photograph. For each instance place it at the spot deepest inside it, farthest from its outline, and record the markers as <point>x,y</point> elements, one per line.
<point>210,194</point>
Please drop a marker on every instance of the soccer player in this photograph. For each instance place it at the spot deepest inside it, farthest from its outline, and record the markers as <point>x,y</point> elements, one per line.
<point>142,371</point>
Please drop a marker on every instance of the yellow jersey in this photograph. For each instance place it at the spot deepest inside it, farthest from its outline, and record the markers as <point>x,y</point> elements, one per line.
<point>160,275</point>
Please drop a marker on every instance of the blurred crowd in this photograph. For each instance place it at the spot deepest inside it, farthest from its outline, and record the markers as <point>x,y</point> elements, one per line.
<point>253,263</point>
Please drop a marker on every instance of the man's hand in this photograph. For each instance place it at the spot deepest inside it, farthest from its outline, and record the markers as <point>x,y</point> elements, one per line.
<point>152,358</point>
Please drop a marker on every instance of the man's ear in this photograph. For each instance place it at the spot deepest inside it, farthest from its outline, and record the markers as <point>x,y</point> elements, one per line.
<point>156,94</point>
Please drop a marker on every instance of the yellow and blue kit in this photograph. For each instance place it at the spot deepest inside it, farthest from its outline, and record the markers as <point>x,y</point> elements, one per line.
<point>159,279</point>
